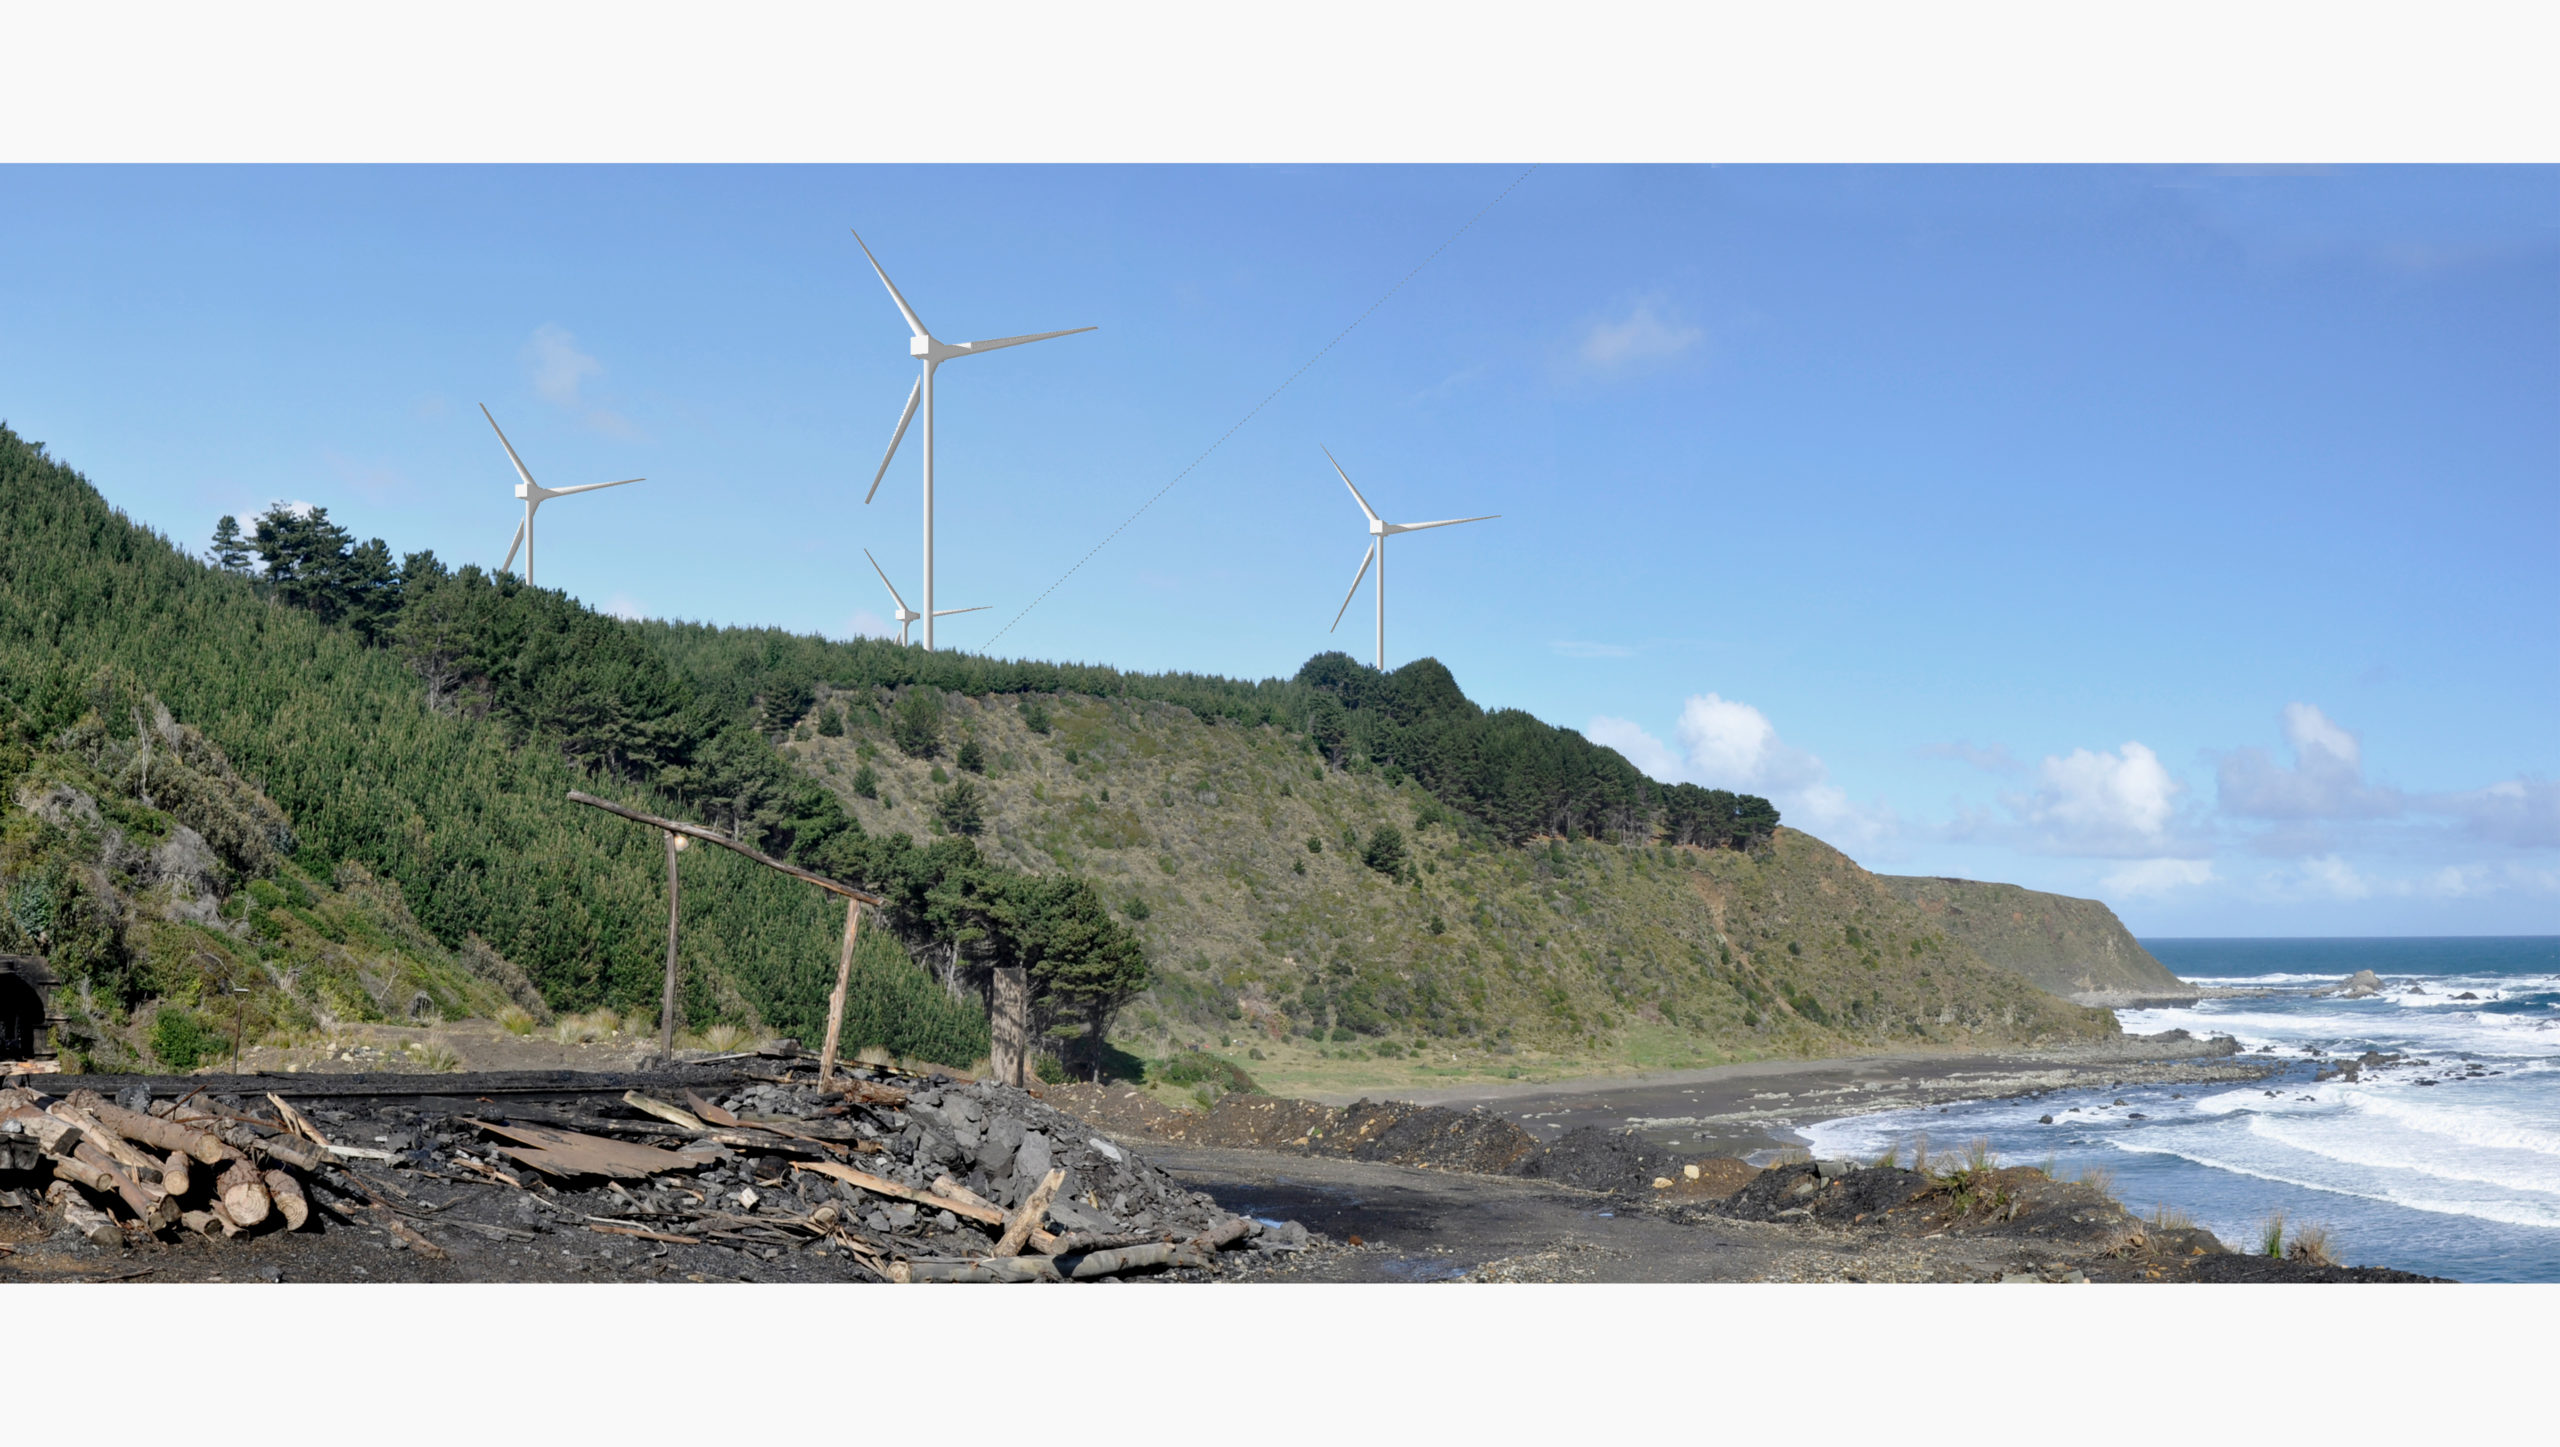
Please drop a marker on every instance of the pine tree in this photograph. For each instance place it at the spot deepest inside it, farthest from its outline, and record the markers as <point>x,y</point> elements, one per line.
<point>230,552</point>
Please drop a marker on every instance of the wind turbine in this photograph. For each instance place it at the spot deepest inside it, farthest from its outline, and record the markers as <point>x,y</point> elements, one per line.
<point>1379,531</point>
<point>907,615</point>
<point>933,353</point>
<point>534,495</point>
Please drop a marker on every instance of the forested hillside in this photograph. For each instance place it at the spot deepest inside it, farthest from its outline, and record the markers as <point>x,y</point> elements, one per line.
<point>1349,858</point>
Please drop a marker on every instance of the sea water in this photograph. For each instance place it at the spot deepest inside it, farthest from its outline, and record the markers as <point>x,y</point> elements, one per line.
<point>2446,1162</point>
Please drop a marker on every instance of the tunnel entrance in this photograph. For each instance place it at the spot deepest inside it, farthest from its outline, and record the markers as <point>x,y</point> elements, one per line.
<point>26,1009</point>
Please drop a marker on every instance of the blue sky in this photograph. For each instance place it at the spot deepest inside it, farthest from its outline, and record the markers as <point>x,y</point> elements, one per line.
<point>2179,536</point>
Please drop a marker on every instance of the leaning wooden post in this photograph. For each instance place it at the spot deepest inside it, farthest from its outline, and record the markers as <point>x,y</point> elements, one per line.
<point>667,1000</point>
<point>835,1002</point>
<point>1010,1026</point>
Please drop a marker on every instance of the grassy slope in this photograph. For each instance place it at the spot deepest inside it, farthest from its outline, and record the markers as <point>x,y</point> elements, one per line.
<point>1550,957</point>
<point>2061,944</point>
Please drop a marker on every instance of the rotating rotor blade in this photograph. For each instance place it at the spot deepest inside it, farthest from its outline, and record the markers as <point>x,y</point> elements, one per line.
<point>884,581</point>
<point>1003,342</point>
<point>592,486</point>
<point>947,612</point>
<point>913,394</point>
<point>903,309</point>
<point>1355,586</point>
<point>513,544</point>
<point>1443,523</point>
<point>511,447</point>
<point>1370,512</point>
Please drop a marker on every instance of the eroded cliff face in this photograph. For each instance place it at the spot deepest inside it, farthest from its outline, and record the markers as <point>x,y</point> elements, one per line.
<point>2075,948</point>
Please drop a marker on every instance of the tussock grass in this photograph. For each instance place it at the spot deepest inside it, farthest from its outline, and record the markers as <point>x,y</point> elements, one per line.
<point>1891,1159</point>
<point>2100,1180</point>
<point>1979,1158</point>
<point>515,1021</point>
<point>2311,1246</point>
<point>2165,1217</point>
<point>434,1059</point>
<point>2271,1234</point>
<point>722,1038</point>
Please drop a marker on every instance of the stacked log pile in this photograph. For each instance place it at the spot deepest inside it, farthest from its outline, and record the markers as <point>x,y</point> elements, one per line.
<point>110,1169</point>
<point>921,1180</point>
<point>897,1177</point>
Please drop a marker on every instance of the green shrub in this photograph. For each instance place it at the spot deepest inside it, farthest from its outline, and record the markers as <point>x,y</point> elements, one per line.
<point>959,808</point>
<point>181,1040</point>
<point>915,725</point>
<point>1136,908</point>
<point>866,782</point>
<point>831,723</point>
<point>1035,716</point>
<point>1199,1067</point>
<point>971,758</point>
<point>1385,850</point>
<point>1315,845</point>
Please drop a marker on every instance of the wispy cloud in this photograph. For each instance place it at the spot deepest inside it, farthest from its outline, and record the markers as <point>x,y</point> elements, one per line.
<point>2326,780</point>
<point>377,482</point>
<point>560,373</point>
<point>865,624</point>
<point>1993,760</point>
<point>2158,876</point>
<point>1724,743</point>
<point>1647,333</point>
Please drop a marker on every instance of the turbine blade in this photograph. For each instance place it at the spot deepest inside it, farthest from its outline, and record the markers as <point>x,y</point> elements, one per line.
<point>514,543</point>
<point>885,583</point>
<point>905,310</point>
<point>1355,585</point>
<point>1443,523</point>
<point>592,486</point>
<point>913,395</point>
<point>511,447</point>
<point>1002,342</point>
<point>947,612</point>
<point>1370,512</point>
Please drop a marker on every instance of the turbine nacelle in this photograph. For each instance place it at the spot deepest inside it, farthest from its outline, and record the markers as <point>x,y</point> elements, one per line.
<point>1379,531</point>
<point>533,495</point>
<point>906,615</point>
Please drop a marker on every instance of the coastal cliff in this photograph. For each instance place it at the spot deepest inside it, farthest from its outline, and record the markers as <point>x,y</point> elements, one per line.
<point>2075,948</point>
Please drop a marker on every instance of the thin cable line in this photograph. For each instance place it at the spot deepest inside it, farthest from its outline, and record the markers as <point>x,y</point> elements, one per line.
<point>1258,406</point>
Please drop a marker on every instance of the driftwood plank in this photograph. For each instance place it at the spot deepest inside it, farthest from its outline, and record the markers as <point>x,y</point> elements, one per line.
<point>566,1154</point>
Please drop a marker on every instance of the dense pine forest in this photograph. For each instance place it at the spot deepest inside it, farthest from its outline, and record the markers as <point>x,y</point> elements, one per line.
<point>423,724</point>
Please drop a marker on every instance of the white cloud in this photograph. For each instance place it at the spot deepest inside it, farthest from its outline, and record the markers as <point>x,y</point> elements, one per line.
<point>297,507</point>
<point>1726,744</point>
<point>559,368</point>
<point>626,607</point>
<point>866,624</point>
<point>2159,876</point>
<point>2521,812</point>
<point>2325,782</point>
<point>1643,335</point>
<point>1994,760</point>
<point>560,372</point>
<point>2336,877</point>
<point>2102,803</point>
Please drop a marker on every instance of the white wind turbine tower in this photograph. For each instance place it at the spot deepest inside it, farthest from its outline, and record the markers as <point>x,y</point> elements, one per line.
<point>933,353</point>
<point>907,615</point>
<point>1379,531</point>
<point>534,495</point>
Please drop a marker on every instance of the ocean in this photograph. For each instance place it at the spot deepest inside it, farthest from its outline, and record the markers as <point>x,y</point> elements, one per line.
<point>2446,1162</point>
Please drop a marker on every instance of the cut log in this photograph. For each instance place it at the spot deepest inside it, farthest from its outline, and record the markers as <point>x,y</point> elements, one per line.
<point>89,1151</point>
<point>867,1092</point>
<point>1129,1258</point>
<point>175,1176</point>
<point>290,1203</point>
<point>835,1002</point>
<point>165,1135</point>
<point>247,1140</point>
<point>1077,1243</point>
<point>1027,1219</point>
<point>392,1223</point>
<point>1219,1237</point>
<point>52,1135</point>
<point>244,1194</point>
<point>99,1134</point>
<point>94,1225</point>
<point>950,1189</point>
<point>973,1209</point>
<point>997,1270</point>
<point>97,1171</point>
<point>672,1115</point>
<point>208,1223</point>
<point>613,1228</point>
<point>1009,1026</point>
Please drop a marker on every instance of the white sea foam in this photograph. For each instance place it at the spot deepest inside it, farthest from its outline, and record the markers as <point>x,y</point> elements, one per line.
<point>2245,1151</point>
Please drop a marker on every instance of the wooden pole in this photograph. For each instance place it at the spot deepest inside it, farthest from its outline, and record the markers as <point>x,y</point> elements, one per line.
<point>714,836</point>
<point>667,1000</point>
<point>835,1002</point>
<point>1009,1043</point>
